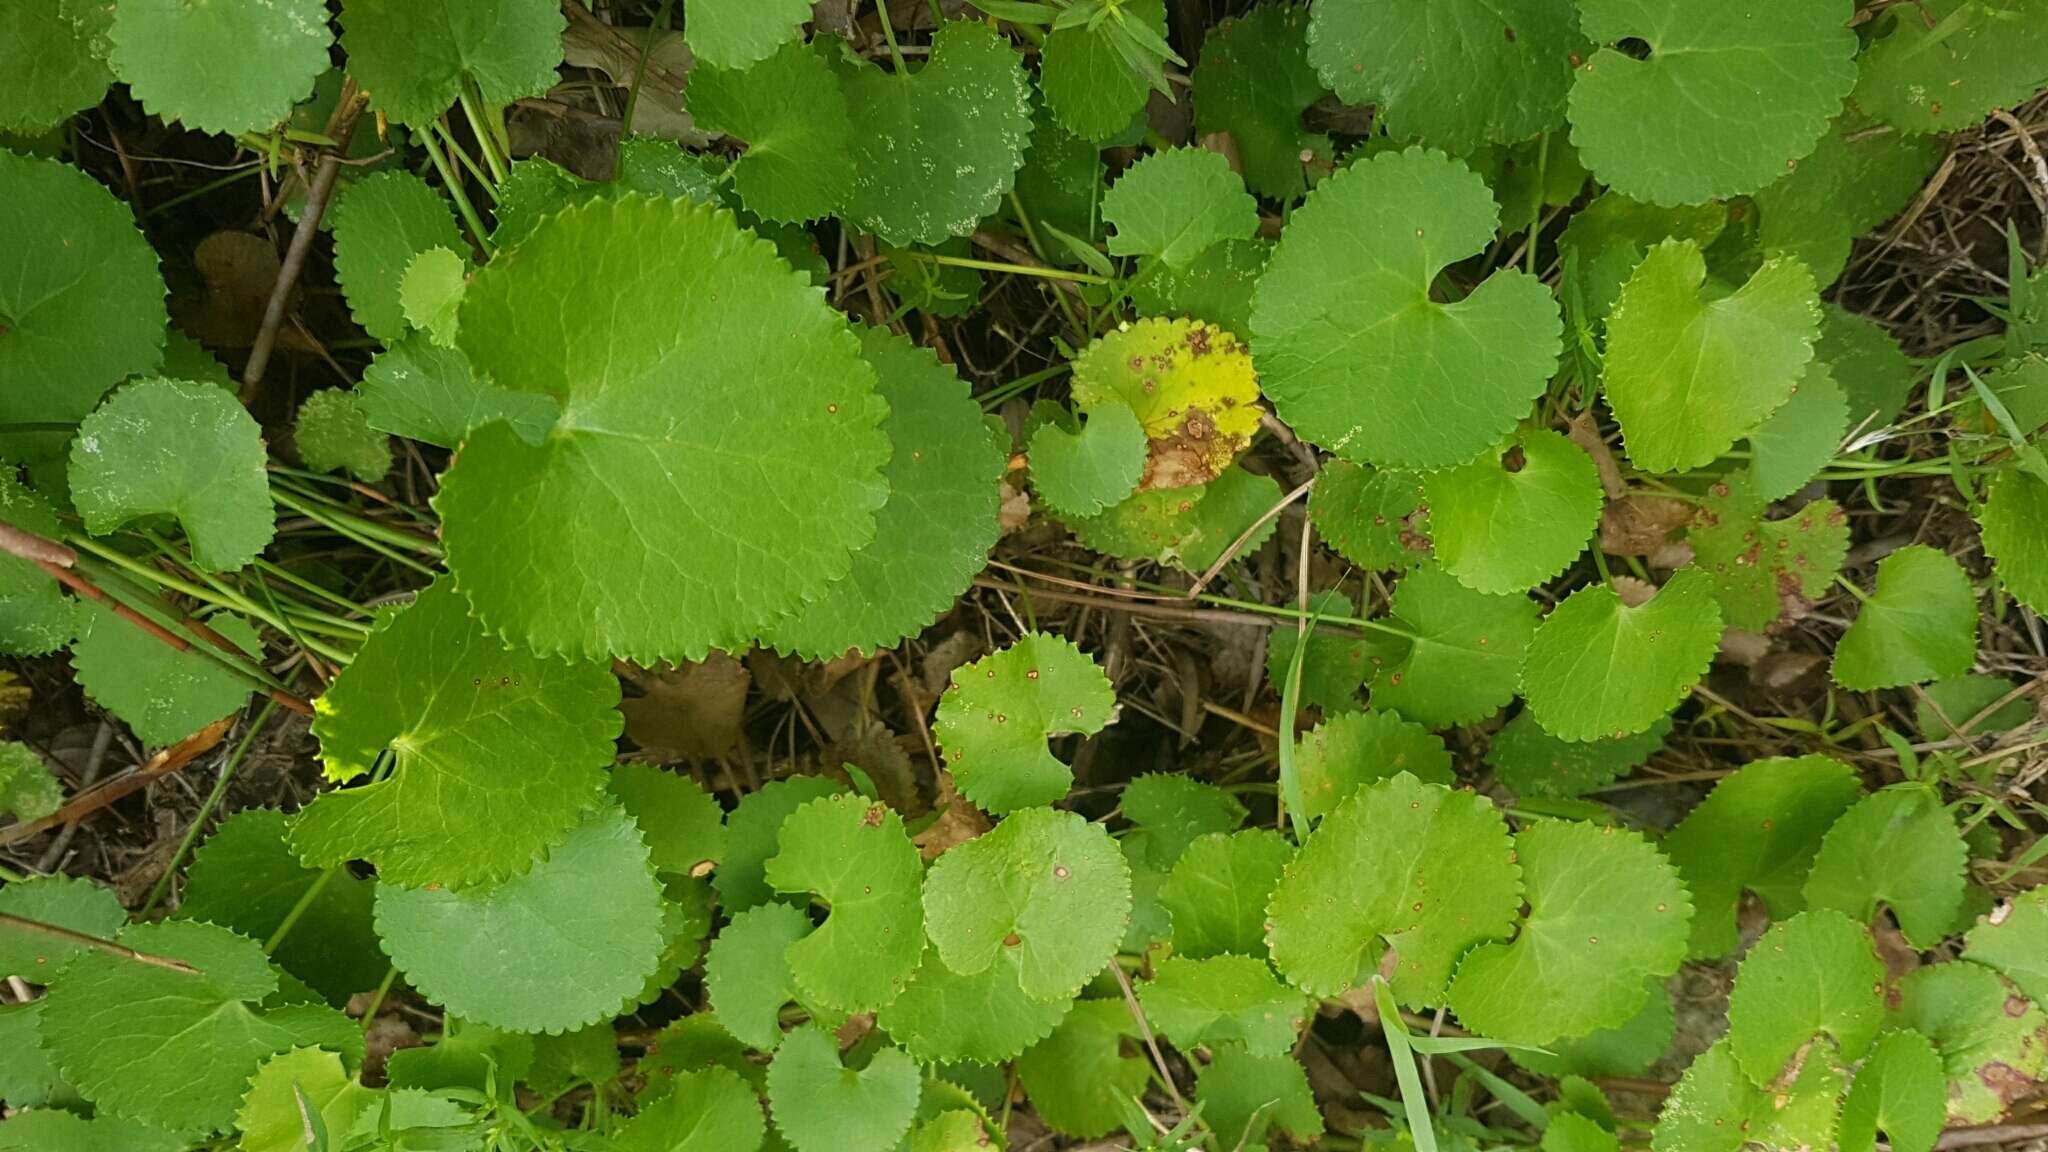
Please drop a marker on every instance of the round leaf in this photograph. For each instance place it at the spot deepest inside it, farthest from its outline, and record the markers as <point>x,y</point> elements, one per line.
<point>1089,87</point>
<point>752,832</point>
<point>1535,763</point>
<point>1253,82</point>
<point>413,59</point>
<point>421,391</point>
<point>1901,1089</point>
<point>1187,527</point>
<point>1374,518</point>
<point>1191,386</point>
<point>56,66</point>
<point>1079,1079</point>
<point>332,434</point>
<point>1218,890</point>
<point>735,33</point>
<point>1223,999</point>
<point>1800,438</point>
<point>855,856</point>
<point>65,901</point>
<point>1993,1041</point>
<point>789,110</point>
<point>1817,972</point>
<point>1343,754</point>
<point>2013,939</point>
<point>220,67</point>
<point>1175,204</point>
<point>708,1110</point>
<point>1899,847</point>
<point>2014,520</point>
<point>382,223</point>
<point>163,695</point>
<point>1463,655</point>
<point>1000,710</point>
<point>821,1106</point>
<point>1941,67</point>
<point>1514,518</point>
<point>1715,1108</point>
<point>943,1017</point>
<point>746,974</point>
<point>1919,624</point>
<point>1574,679</point>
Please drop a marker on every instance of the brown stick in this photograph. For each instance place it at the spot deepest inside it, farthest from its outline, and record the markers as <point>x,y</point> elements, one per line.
<point>58,932</point>
<point>339,128</point>
<point>92,800</point>
<point>29,546</point>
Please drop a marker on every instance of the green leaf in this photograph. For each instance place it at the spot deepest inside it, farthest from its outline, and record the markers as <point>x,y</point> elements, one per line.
<point>1345,753</point>
<point>82,302</point>
<point>1758,830</point>
<point>1606,239</point>
<point>430,293</point>
<point>498,752</point>
<point>1867,362</point>
<point>2013,938</point>
<point>1244,1094</point>
<point>1757,564</point>
<point>735,33</point>
<point>939,147</point>
<point>1571,1132</point>
<point>1945,706</point>
<point>1463,658</point>
<point>1218,890</point>
<point>1216,287</point>
<point>424,392</point>
<point>1817,972</point>
<point>777,472</point>
<point>1079,1080</point>
<point>1533,762</point>
<point>1046,894</point>
<point>1607,914</point>
<point>1801,438</point>
<point>1992,1040</point>
<point>36,617</point>
<point>1689,376</point>
<point>245,878</point>
<point>1189,527</point>
<point>1457,74</point>
<point>1715,1108</point>
<point>182,449</point>
<point>710,1110</point>
<point>28,790</point>
<point>274,1114</point>
<point>413,60</point>
<point>647,166</point>
<point>223,68</point>
<point>1170,812</point>
<point>52,1130</point>
<point>65,901</point>
<point>1600,669</point>
<point>1899,847</point>
<point>1336,665</point>
<point>1628,1049</point>
<point>1518,515</point>
<point>176,1049</point>
<point>1254,81</point>
<point>466,1055</point>
<point>56,63</point>
<point>381,224</point>
<point>935,530</point>
<point>986,1018</point>
<point>333,434</point>
<point>1919,624</point>
<point>1223,999</point>
<point>2014,522</point>
<point>1683,124</point>
<point>1175,205</point>
<point>854,855</point>
<point>821,1106</point>
<point>1855,180</point>
<point>163,695</point>
<point>1376,519</point>
<point>28,1080</point>
<point>996,717</point>
<point>789,110</point>
<point>1414,867</point>
<point>1079,473</point>
<point>553,949</point>
<point>1089,87</point>
<point>1355,354</point>
<point>746,974</point>
<point>1901,1089</point>
<point>1944,65</point>
<point>682,824</point>
<point>752,831</point>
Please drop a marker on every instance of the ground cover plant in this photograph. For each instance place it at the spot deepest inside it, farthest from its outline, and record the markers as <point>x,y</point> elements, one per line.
<point>744,574</point>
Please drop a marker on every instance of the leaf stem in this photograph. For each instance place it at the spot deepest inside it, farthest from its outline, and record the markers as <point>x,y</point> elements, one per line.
<point>1014,269</point>
<point>889,34</point>
<point>292,918</point>
<point>358,532</point>
<point>452,180</point>
<point>58,932</point>
<point>162,886</point>
<point>486,142</point>
<point>662,22</point>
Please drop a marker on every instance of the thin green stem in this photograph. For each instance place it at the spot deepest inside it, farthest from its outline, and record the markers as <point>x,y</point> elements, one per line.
<point>298,912</point>
<point>377,1000</point>
<point>486,143</point>
<point>1013,269</point>
<point>889,34</point>
<point>660,25</point>
<point>207,808</point>
<point>1037,249</point>
<point>452,180</point>
<point>353,531</point>
<point>233,598</point>
<point>10,875</point>
<point>994,397</point>
<point>107,580</point>
<point>305,585</point>
<point>456,150</point>
<point>203,189</point>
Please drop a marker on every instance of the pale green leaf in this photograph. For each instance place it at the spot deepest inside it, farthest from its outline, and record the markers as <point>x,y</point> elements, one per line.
<point>381,224</point>
<point>1801,437</point>
<point>54,1130</point>
<point>1628,1049</point>
<point>1458,74</point>
<point>746,974</point>
<point>1079,1080</point>
<point>1345,753</point>
<point>224,68</point>
<point>2014,520</point>
<point>855,856</point>
<point>1684,124</point>
<point>430,293</point>
<point>1572,1132</point>
<point>333,435</point>
<point>1171,811</point>
<point>986,1018</point>
<point>1990,1037</point>
<point>790,112</point>
<point>1175,205</point>
<point>821,1106</point>
<point>1046,895</point>
<point>1600,669</point>
<point>1355,354</point>
<point>1607,914</point>
<point>1606,239</point>
<point>273,1117</point>
<point>735,33</point>
<point>177,1049</point>
<point>414,58</point>
<point>710,1110</point>
<point>2013,938</point>
<point>939,147</point>
<point>163,695</point>
<point>424,392</point>
<point>1223,999</point>
<point>187,450</point>
<point>751,838</point>
<point>1463,657</point>
<point>1899,847</point>
<point>246,879</point>
<point>1080,472</point>
<point>538,188</point>
<point>1218,890</point>
<point>1518,515</point>
<point>1376,519</point>
<point>28,790</point>
<point>776,472</point>
<point>1254,81</point>
<point>1757,564</point>
<point>1244,1095</point>
<point>55,53</point>
<point>1901,1089</point>
<point>1817,972</point>
<point>1919,624</point>
<point>1715,1108</point>
<point>560,946</point>
<point>1942,65</point>
<point>1758,830</point>
<point>1533,762</point>
<point>1688,376</point>
<point>996,717</point>
<point>499,752</point>
<point>1089,87</point>
<point>65,901</point>
<point>1401,865</point>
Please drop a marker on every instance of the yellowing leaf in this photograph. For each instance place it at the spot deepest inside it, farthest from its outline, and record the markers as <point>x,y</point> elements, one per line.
<point>1192,386</point>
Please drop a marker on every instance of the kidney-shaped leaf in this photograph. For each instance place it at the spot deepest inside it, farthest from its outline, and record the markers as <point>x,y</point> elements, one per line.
<point>1919,624</point>
<point>855,855</point>
<point>1600,669</point>
<point>220,67</point>
<point>994,721</point>
<point>1512,519</point>
<point>413,58</point>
